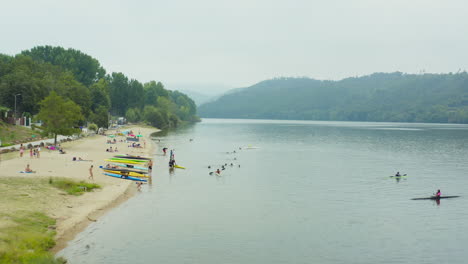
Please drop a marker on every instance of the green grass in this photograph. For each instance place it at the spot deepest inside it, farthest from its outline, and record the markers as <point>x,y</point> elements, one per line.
<point>73,187</point>
<point>26,237</point>
<point>10,134</point>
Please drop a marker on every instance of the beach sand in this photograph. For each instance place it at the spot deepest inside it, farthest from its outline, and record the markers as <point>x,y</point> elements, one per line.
<point>74,213</point>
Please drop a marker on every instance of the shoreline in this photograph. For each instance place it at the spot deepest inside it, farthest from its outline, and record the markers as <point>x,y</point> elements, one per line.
<point>68,235</point>
<point>74,213</point>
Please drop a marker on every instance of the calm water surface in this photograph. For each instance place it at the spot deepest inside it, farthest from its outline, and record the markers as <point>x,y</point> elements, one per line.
<point>305,192</point>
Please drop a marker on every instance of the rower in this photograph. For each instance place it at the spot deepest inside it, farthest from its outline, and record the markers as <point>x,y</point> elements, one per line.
<point>397,174</point>
<point>438,193</point>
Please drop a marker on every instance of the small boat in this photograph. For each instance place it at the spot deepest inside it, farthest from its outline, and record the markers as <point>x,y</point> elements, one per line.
<point>127,156</point>
<point>130,166</point>
<point>436,197</point>
<point>133,160</point>
<point>129,173</point>
<point>125,161</point>
<point>124,177</point>
<point>124,170</point>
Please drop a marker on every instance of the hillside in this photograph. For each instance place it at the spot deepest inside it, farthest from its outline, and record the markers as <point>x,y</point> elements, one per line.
<point>393,97</point>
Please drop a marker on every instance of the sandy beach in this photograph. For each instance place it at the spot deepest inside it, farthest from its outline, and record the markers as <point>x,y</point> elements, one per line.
<point>74,213</point>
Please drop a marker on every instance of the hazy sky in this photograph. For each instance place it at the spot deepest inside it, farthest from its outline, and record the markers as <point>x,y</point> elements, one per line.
<point>215,43</point>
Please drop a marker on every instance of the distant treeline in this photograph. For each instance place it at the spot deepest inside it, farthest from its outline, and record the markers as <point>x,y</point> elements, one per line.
<point>79,77</point>
<point>392,97</point>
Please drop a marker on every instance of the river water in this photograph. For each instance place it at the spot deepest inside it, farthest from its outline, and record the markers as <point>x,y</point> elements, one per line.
<point>297,192</point>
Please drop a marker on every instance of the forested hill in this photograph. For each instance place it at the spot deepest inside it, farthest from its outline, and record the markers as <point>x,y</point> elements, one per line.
<point>76,76</point>
<point>393,97</point>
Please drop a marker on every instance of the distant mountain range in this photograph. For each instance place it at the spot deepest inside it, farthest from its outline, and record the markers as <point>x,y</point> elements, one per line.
<point>392,97</point>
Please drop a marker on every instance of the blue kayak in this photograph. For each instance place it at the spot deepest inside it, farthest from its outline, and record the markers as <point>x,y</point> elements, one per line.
<point>130,166</point>
<point>124,177</point>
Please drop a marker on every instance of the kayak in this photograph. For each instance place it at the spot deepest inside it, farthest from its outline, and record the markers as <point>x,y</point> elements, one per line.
<point>124,177</point>
<point>134,160</point>
<point>130,173</point>
<point>435,198</point>
<point>132,157</point>
<point>402,175</point>
<point>179,167</point>
<point>130,166</point>
<point>123,170</point>
<point>124,161</point>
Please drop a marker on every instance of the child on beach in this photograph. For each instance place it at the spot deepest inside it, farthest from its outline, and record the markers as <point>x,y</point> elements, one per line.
<point>139,185</point>
<point>28,169</point>
<point>91,173</point>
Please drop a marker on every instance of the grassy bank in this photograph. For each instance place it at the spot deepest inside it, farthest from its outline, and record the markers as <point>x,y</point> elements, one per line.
<point>10,135</point>
<point>26,231</point>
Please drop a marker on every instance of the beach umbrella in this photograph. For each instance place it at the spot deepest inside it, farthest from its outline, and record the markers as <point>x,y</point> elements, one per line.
<point>111,136</point>
<point>139,135</point>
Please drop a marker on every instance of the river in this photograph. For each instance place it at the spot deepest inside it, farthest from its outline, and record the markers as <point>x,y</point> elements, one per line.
<point>297,192</point>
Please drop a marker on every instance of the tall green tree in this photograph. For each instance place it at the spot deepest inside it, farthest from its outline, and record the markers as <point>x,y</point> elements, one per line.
<point>60,116</point>
<point>85,68</point>
<point>101,117</point>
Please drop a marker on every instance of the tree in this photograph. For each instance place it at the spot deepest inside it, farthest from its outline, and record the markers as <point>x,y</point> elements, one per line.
<point>133,115</point>
<point>155,117</point>
<point>101,117</point>
<point>59,116</point>
<point>85,68</point>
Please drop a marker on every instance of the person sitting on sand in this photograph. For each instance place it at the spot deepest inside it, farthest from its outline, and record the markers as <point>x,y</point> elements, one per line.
<point>62,151</point>
<point>28,169</point>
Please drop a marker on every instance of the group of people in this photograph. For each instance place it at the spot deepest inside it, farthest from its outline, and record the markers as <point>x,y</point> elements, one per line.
<point>111,150</point>
<point>33,152</point>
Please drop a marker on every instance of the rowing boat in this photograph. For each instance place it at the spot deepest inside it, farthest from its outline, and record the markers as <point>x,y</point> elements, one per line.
<point>124,177</point>
<point>436,197</point>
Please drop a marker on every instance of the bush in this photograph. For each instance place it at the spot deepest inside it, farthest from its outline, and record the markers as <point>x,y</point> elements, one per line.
<point>93,127</point>
<point>72,187</point>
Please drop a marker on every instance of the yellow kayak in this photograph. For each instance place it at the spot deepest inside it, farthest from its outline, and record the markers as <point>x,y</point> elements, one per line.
<point>179,167</point>
<point>131,173</point>
<point>123,161</point>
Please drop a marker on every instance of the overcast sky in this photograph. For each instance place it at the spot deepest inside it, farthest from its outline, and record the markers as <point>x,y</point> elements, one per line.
<point>213,43</point>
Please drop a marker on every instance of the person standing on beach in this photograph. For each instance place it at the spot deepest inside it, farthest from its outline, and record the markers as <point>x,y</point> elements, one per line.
<point>150,165</point>
<point>38,152</point>
<point>21,151</point>
<point>31,153</point>
<point>91,173</point>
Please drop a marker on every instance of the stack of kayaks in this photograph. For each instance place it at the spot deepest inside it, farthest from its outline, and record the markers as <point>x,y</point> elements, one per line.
<point>127,167</point>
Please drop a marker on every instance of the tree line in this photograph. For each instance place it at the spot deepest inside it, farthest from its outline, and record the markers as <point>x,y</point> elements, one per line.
<point>387,97</point>
<point>74,76</point>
